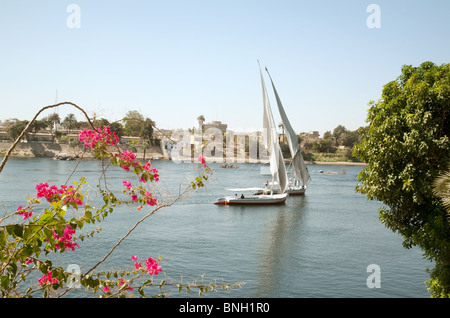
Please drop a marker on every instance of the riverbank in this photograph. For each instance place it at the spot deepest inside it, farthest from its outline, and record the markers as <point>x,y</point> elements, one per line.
<point>337,163</point>
<point>67,152</point>
<point>70,152</point>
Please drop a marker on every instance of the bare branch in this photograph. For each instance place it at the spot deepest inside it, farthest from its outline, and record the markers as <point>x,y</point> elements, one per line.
<point>8,153</point>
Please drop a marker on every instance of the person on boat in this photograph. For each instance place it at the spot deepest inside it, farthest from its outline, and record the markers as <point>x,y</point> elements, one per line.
<point>242,196</point>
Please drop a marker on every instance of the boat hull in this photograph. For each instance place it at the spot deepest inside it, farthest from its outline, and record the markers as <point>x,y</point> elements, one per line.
<point>253,200</point>
<point>296,191</point>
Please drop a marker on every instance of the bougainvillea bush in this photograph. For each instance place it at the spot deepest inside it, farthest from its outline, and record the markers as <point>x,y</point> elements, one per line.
<point>53,222</point>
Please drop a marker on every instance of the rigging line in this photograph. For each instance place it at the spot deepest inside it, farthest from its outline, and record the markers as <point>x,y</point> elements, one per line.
<point>248,170</point>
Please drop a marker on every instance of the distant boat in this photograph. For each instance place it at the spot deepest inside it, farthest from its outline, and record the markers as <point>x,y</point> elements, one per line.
<point>266,198</point>
<point>276,161</point>
<point>301,174</point>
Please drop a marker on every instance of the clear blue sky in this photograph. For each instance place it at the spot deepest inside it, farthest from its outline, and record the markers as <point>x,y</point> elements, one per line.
<point>174,60</point>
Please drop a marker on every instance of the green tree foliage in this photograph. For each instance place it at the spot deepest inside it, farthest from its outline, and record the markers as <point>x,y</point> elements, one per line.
<point>70,122</point>
<point>138,126</point>
<point>406,146</point>
<point>338,131</point>
<point>117,128</point>
<point>15,127</point>
<point>345,137</point>
<point>133,123</point>
<point>348,138</point>
<point>324,145</point>
<point>147,130</point>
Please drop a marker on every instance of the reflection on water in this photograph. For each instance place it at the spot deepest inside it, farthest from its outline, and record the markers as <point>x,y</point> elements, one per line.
<point>282,236</point>
<point>317,245</point>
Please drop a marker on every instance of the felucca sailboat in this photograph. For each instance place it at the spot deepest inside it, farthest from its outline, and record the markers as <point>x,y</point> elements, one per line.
<point>301,174</point>
<point>276,160</point>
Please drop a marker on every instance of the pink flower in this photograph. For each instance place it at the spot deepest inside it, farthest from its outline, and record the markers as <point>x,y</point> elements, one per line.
<point>127,184</point>
<point>134,258</point>
<point>137,265</point>
<point>147,166</point>
<point>201,159</point>
<point>47,279</point>
<point>134,197</point>
<point>155,174</point>
<point>24,212</point>
<point>106,289</point>
<point>65,239</point>
<point>28,260</point>
<point>149,198</point>
<point>44,191</point>
<point>125,167</point>
<point>92,137</point>
<point>152,266</point>
<point>127,156</point>
<point>123,282</point>
<point>52,193</point>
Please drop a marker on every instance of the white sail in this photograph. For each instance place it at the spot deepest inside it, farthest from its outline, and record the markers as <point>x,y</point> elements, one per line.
<point>298,164</point>
<point>270,138</point>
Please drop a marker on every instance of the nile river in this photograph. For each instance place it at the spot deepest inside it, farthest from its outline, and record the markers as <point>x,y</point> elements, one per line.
<point>317,245</point>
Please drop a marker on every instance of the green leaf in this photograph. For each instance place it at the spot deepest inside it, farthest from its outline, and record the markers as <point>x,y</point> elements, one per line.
<point>4,282</point>
<point>27,250</point>
<point>2,238</point>
<point>46,217</point>
<point>18,230</point>
<point>11,269</point>
<point>10,229</point>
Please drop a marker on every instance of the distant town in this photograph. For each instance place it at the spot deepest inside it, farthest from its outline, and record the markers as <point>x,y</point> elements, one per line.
<point>143,134</point>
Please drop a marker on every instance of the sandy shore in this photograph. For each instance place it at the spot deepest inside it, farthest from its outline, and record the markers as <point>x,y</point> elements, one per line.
<point>337,163</point>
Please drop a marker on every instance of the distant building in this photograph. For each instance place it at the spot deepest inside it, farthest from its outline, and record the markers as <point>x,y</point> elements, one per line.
<point>40,136</point>
<point>4,134</point>
<point>162,133</point>
<point>215,124</point>
<point>309,138</point>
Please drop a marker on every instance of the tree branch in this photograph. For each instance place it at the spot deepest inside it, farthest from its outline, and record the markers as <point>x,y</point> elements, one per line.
<point>8,153</point>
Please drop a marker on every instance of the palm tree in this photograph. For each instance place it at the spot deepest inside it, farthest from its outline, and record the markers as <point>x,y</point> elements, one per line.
<point>69,122</point>
<point>441,188</point>
<point>53,119</point>
<point>200,119</point>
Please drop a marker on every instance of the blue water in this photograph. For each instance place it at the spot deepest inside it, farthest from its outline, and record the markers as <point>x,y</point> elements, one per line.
<point>317,245</point>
